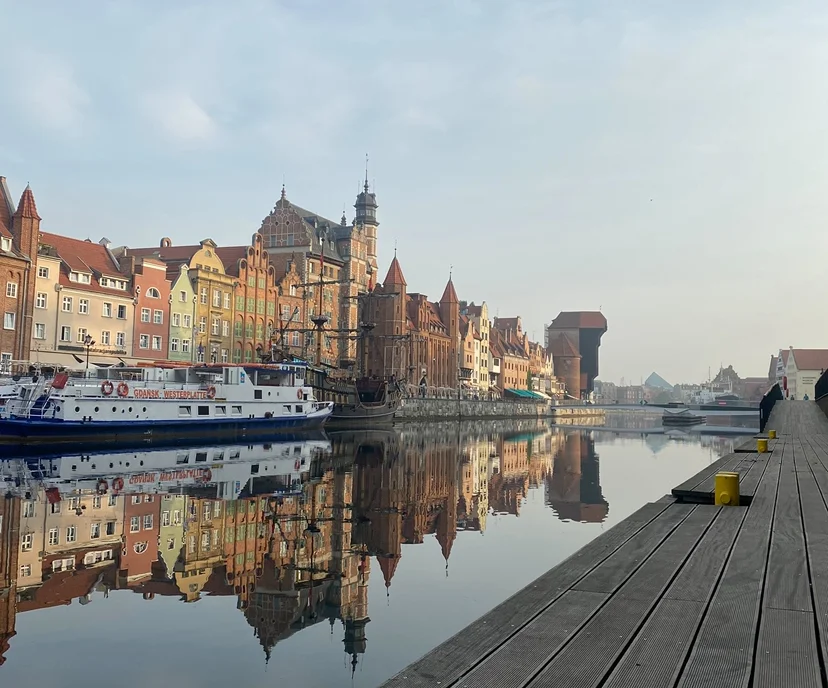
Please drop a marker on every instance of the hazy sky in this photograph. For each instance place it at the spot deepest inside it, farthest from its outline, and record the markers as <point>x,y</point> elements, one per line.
<point>664,161</point>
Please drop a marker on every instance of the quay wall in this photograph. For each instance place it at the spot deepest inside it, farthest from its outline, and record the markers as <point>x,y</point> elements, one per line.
<point>417,409</point>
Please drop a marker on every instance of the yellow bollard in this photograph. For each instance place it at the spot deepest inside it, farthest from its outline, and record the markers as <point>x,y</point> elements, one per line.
<point>762,446</point>
<point>772,434</point>
<point>727,489</point>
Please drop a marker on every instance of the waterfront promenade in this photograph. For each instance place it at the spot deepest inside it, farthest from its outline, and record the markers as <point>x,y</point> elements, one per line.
<point>682,593</point>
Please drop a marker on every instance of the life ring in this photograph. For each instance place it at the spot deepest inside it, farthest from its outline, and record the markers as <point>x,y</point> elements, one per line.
<point>208,475</point>
<point>102,487</point>
<point>123,389</point>
<point>299,394</point>
<point>107,387</point>
<point>297,465</point>
<point>211,392</point>
<point>117,485</point>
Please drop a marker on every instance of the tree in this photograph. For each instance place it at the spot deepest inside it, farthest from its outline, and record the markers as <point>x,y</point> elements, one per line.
<point>529,380</point>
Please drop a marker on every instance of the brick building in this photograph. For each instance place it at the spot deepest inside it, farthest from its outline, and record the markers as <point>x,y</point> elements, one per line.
<point>9,549</point>
<point>19,231</point>
<point>150,336</point>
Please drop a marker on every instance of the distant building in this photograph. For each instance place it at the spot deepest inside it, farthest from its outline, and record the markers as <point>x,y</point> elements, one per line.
<point>583,330</point>
<point>804,368</point>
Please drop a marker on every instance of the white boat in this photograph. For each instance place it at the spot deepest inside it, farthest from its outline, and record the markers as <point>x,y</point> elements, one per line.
<point>231,471</point>
<point>162,403</point>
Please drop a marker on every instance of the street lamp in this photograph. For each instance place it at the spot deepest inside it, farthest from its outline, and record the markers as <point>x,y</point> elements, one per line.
<point>88,343</point>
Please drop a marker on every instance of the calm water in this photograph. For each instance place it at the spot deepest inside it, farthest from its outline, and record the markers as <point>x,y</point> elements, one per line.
<point>301,562</point>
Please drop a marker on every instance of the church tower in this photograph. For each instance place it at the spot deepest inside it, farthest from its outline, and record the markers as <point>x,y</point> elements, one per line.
<point>366,215</point>
<point>450,315</point>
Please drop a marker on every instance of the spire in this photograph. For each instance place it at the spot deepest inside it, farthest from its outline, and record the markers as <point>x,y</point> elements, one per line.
<point>450,295</point>
<point>283,191</point>
<point>395,274</point>
<point>366,173</point>
<point>388,565</point>
<point>27,208</point>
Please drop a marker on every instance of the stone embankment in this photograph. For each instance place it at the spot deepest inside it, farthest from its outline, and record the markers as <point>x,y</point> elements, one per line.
<point>443,409</point>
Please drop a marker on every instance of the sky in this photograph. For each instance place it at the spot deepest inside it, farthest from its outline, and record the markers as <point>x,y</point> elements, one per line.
<point>664,162</point>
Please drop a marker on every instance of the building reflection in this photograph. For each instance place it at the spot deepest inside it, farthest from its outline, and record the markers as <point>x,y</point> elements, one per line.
<point>292,537</point>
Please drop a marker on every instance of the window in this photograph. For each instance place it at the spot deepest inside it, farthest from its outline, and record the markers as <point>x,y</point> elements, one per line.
<point>95,531</point>
<point>227,299</point>
<point>188,321</point>
<point>71,534</point>
<point>173,343</point>
<point>143,341</point>
<point>260,306</point>
<point>251,304</point>
<point>182,296</point>
<point>185,411</point>
<point>11,290</point>
<point>251,281</point>
<point>110,527</point>
<point>145,315</point>
<point>170,543</point>
<point>41,300</point>
<point>66,307</point>
<point>176,517</point>
<point>25,570</point>
<point>148,522</point>
<point>66,334</point>
<point>107,310</point>
<point>205,540</point>
<point>43,272</point>
<point>120,339</point>
<point>203,410</point>
<point>295,339</point>
<point>54,508</point>
<point>165,518</point>
<point>96,502</point>
<point>202,295</point>
<point>9,320</point>
<point>140,547</point>
<point>80,277</point>
<point>105,337</point>
<point>156,342</point>
<point>83,306</point>
<point>225,328</point>
<point>248,329</point>
<point>185,346</point>
<point>225,356</point>
<point>134,524</point>
<point>26,542</point>
<point>82,332</point>
<point>216,324</point>
<point>261,282</point>
<point>96,557</point>
<point>113,500</point>
<point>40,331</point>
<point>122,312</point>
<point>202,324</point>
<point>63,565</point>
<point>208,511</point>
<point>153,293</point>
<point>176,319</point>
<point>217,298</point>
<point>54,537</point>
<point>237,329</point>
<point>158,317</point>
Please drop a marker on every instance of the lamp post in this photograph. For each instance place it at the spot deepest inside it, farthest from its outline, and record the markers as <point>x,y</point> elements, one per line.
<point>88,343</point>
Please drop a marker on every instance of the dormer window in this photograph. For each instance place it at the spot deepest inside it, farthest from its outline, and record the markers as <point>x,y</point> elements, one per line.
<point>80,277</point>
<point>5,243</point>
<point>113,283</point>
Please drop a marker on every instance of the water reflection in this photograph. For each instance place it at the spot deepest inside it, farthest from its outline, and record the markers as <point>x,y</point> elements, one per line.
<point>290,530</point>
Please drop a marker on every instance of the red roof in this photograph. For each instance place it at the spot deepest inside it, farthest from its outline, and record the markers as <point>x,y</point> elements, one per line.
<point>395,274</point>
<point>230,256</point>
<point>580,320</point>
<point>811,359</point>
<point>26,207</point>
<point>388,565</point>
<point>84,256</point>
<point>449,295</point>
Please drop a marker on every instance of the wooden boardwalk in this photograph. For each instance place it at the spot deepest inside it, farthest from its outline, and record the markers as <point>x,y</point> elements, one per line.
<point>688,595</point>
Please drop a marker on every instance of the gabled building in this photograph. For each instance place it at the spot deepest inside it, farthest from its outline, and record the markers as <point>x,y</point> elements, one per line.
<point>19,230</point>
<point>804,367</point>
<point>150,335</point>
<point>183,304</point>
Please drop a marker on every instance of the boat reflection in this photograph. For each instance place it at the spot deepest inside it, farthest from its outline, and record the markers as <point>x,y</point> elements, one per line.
<point>290,529</point>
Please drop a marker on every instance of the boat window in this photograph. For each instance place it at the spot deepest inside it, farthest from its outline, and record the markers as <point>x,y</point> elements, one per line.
<point>236,410</point>
<point>257,394</point>
<point>286,408</point>
<point>184,411</point>
<point>203,410</point>
<point>201,456</point>
<point>254,469</point>
<point>182,458</point>
<point>221,410</point>
<point>235,454</point>
<point>298,408</point>
<point>218,456</point>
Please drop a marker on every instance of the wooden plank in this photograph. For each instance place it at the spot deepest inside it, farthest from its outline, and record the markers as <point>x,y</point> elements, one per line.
<point>522,655</point>
<point>750,478</point>
<point>590,655</point>
<point>465,649</point>
<point>749,446</point>
<point>722,654</point>
<point>658,652</point>
<point>689,489</point>
<point>787,653</point>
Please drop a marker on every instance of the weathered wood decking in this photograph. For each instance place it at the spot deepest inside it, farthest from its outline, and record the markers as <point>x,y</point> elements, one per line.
<point>678,594</point>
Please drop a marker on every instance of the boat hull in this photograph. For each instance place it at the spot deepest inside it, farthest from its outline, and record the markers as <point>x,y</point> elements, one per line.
<point>48,433</point>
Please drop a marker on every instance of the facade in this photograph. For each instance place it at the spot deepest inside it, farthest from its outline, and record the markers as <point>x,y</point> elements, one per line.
<point>803,368</point>
<point>141,530</point>
<point>150,336</point>
<point>9,554</point>
<point>413,337</point>
<point>584,330</point>
<point>514,345</point>
<point>479,316</point>
<point>290,332</point>
<point>182,315</point>
<point>255,298</point>
<point>171,530</point>
<point>19,230</point>
<point>80,291</point>
<point>470,359</point>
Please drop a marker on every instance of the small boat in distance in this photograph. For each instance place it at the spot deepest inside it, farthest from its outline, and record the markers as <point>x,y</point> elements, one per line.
<point>681,418</point>
<point>163,402</point>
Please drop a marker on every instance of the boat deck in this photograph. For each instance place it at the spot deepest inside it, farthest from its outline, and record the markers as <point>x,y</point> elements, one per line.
<point>681,593</point>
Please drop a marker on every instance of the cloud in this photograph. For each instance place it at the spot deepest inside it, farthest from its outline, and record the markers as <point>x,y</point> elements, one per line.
<point>50,93</point>
<point>180,117</point>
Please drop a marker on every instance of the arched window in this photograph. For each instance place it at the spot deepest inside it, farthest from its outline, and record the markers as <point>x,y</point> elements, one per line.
<point>140,547</point>
<point>153,293</point>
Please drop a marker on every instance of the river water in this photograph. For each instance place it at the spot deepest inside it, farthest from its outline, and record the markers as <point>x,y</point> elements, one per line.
<point>332,560</point>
